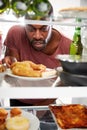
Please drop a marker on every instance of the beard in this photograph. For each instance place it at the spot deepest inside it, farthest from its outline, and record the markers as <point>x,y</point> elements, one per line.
<point>39,44</point>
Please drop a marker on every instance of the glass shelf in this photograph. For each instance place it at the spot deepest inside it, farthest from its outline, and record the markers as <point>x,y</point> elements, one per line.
<point>61,21</point>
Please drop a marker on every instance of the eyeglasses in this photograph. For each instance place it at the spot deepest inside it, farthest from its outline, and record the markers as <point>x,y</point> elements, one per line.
<point>43,28</point>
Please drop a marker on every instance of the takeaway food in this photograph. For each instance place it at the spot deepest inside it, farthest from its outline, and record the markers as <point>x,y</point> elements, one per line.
<point>15,112</point>
<point>3,116</point>
<point>27,68</point>
<point>13,120</point>
<point>30,69</point>
<point>73,9</point>
<point>2,68</point>
<point>70,116</point>
<point>17,123</point>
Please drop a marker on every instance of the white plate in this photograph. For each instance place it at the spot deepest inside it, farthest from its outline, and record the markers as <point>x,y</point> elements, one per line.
<point>34,121</point>
<point>74,13</point>
<point>30,78</point>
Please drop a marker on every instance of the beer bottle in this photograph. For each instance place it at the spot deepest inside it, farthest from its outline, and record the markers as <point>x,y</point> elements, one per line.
<point>76,45</point>
<point>19,7</point>
<point>4,4</point>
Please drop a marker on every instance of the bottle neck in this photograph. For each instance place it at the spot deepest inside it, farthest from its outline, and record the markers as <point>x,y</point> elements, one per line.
<point>77,34</point>
<point>78,30</point>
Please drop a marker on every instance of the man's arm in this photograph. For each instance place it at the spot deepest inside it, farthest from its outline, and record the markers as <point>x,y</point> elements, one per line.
<point>11,43</point>
<point>11,55</point>
<point>12,52</point>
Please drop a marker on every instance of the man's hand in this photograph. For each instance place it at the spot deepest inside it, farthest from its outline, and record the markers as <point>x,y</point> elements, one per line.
<point>9,60</point>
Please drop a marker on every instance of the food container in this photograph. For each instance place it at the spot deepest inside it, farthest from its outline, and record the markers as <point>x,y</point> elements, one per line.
<point>70,116</point>
<point>69,79</point>
<point>74,64</point>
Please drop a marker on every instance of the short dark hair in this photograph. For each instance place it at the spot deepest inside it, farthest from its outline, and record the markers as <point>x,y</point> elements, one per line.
<point>43,16</point>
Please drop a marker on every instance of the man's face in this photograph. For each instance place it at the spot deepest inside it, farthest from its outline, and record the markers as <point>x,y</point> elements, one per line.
<point>38,35</point>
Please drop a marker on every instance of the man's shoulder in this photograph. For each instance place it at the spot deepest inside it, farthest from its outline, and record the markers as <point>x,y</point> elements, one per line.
<point>54,29</point>
<point>16,28</point>
<point>60,34</point>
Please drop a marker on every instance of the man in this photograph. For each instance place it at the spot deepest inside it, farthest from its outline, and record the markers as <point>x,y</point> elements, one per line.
<point>38,43</point>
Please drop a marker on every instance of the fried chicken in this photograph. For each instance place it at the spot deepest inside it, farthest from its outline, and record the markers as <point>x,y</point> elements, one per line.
<point>27,68</point>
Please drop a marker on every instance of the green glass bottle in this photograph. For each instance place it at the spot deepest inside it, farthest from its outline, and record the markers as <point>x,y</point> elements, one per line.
<point>76,45</point>
<point>19,7</point>
<point>4,4</point>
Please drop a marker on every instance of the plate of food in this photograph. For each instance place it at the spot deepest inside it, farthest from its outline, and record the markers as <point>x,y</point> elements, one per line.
<point>17,119</point>
<point>50,73</point>
<point>79,12</point>
<point>69,116</point>
<point>28,70</point>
